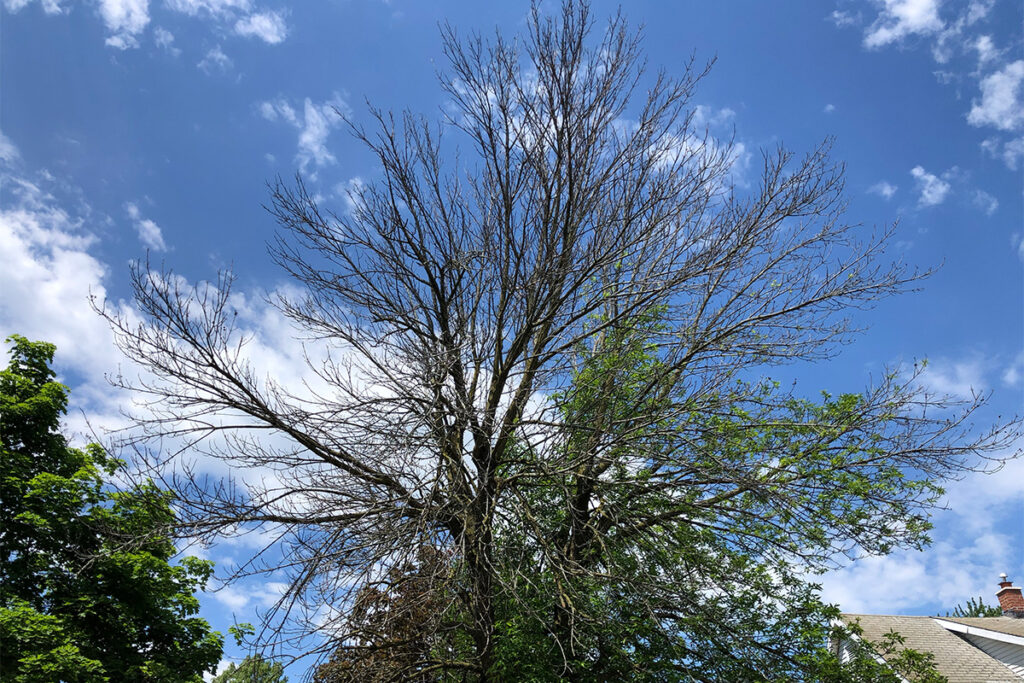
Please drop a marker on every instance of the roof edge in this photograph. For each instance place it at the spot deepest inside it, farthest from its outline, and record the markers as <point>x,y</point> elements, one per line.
<point>979,631</point>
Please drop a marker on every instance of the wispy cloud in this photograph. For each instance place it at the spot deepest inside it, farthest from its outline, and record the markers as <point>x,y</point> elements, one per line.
<point>165,39</point>
<point>960,379</point>
<point>829,108</point>
<point>125,20</point>
<point>8,150</point>
<point>49,6</point>
<point>1011,152</point>
<point>1017,243</point>
<point>986,202</point>
<point>986,49</point>
<point>214,8</point>
<point>883,189</point>
<point>933,190</point>
<point>952,30</point>
<point>901,18</point>
<point>1014,372</point>
<point>843,19</point>
<point>267,26</point>
<point>149,232</point>
<point>215,61</point>
<point>240,16</point>
<point>705,116</point>
<point>314,124</point>
<point>351,192</point>
<point>238,596</point>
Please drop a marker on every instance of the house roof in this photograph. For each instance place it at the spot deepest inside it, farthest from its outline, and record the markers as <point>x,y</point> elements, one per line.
<point>1007,625</point>
<point>955,658</point>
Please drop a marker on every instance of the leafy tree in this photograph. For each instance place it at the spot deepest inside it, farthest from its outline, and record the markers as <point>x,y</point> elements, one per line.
<point>549,363</point>
<point>87,591</point>
<point>253,669</point>
<point>860,663</point>
<point>975,608</point>
<point>618,632</point>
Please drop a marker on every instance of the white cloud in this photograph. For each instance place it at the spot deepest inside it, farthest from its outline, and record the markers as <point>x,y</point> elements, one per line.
<point>8,150</point>
<point>829,108</point>
<point>241,595</point>
<point>1014,372</point>
<point>908,23</point>
<point>982,499</point>
<point>165,39</point>
<point>1017,243</point>
<point>215,61</point>
<point>978,10</point>
<point>883,189</point>
<point>271,110</point>
<point>986,202</point>
<point>49,274</point>
<point>237,16</point>
<point>1013,153</point>
<point>705,116</point>
<point>1010,152</point>
<point>963,379</point>
<point>986,49</point>
<point>215,8</point>
<point>948,573</point>
<point>973,544</point>
<point>314,126</point>
<point>843,19</point>
<point>268,26</point>
<point>149,232</point>
<point>933,189</point>
<point>125,19</point>
<point>221,668</point>
<point>901,18</point>
<point>233,598</point>
<point>49,6</point>
<point>351,192</point>
<point>1002,99</point>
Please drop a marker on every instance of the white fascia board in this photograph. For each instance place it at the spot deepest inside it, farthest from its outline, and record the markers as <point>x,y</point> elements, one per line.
<point>980,632</point>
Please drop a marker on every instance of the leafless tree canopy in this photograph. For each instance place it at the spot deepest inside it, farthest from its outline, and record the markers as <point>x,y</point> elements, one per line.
<point>569,204</point>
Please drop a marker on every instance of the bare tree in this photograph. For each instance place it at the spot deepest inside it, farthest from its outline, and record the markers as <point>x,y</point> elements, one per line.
<point>546,346</point>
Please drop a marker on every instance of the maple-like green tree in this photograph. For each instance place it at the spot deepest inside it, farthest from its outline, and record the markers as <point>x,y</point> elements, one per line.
<point>88,589</point>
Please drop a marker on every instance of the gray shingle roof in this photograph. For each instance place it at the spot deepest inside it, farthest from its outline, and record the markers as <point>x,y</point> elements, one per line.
<point>956,659</point>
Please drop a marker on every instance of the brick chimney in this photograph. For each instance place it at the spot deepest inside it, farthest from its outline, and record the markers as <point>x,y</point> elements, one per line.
<point>1010,599</point>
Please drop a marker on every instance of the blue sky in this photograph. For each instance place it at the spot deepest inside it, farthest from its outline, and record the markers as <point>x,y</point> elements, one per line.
<point>135,125</point>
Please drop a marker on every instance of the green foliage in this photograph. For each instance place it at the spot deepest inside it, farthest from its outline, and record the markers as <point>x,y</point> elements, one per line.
<point>623,574</point>
<point>860,664</point>
<point>241,631</point>
<point>642,582</point>
<point>253,669</point>
<point>975,608</point>
<point>87,591</point>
